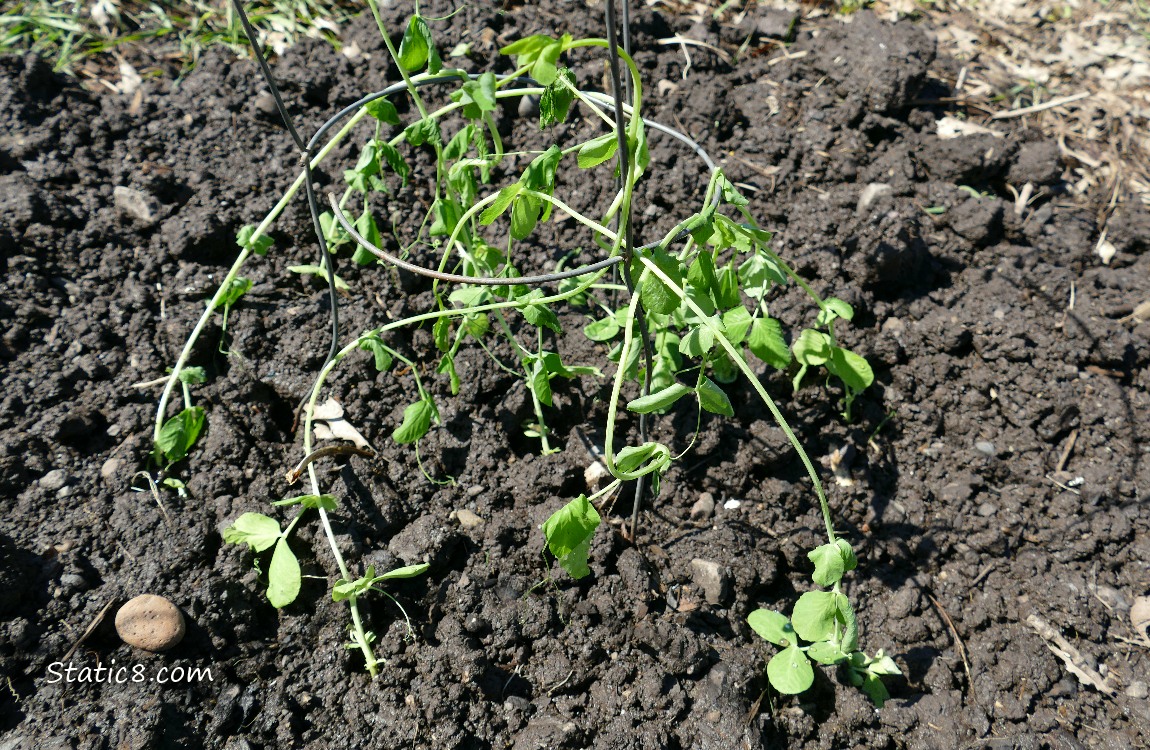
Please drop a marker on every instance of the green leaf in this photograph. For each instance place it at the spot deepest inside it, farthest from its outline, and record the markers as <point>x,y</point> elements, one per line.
<point>540,315</point>
<point>825,652</point>
<point>259,245</point>
<point>321,273</point>
<point>656,296</point>
<point>731,194</point>
<point>254,529</point>
<point>758,272</point>
<point>598,150</point>
<point>237,288</point>
<point>524,216</point>
<point>835,308</point>
<point>333,232</point>
<point>829,564</point>
<point>773,627</point>
<point>882,664</point>
<point>812,348</point>
<point>853,370</point>
<point>382,110</point>
<point>555,366</point>
<point>415,47</point>
<point>477,96</point>
<point>556,99</point>
<point>540,173</point>
<point>283,576</point>
<point>850,639</point>
<point>713,399</point>
<point>602,330</point>
<point>698,341</point>
<point>383,358</point>
<point>767,343</point>
<point>568,532</point>
<point>790,672</point>
<point>408,571</point>
<point>660,400</point>
<point>179,434</point>
<point>541,383</point>
<point>633,456</point>
<point>850,562</point>
<point>367,229</point>
<point>875,690</point>
<point>192,375</point>
<point>815,614</point>
<point>727,291</point>
<point>394,160</point>
<point>416,422</point>
<point>737,322</point>
<point>327,502</point>
<point>423,131</point>
<point>500,204</point>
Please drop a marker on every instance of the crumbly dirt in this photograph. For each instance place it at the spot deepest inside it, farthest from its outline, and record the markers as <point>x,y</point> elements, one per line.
<point>1000,467</point>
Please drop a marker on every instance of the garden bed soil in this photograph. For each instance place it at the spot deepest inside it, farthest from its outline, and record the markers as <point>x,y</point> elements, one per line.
<point>999,471</point>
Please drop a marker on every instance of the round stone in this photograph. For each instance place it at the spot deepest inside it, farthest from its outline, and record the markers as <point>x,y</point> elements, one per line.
<point>151,623</point>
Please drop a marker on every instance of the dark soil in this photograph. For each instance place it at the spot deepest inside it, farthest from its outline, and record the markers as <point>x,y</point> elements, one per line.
<point>998,338</point>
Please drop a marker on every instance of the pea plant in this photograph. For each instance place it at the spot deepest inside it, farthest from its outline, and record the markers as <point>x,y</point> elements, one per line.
<point>691,314</point>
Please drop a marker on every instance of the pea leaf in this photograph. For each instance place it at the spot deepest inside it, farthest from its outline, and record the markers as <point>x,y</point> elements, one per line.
<point>283,576</point>
<point>382,110</point>
<point>423,131</point>
<point>416,422</point>
<point>327,502</point>
<point>737,322</point>
<point>853,370</point>
<point>524,216</point>
<point>698,341</point>
<point>569,531</point>
<point>556,99</point>
<point>598,150</point>
<point>253,529</point>
<point>237,288</point>
<point>815,614</point>
<point>829,564</point>
<point>541,382</point>
<point>394,160</point>
<point>383,358</point>
<point>712,398</point>
<point>309,269</point>
<point>825,652</point>
<point>835,308</point>
<point>767,343</point>
<point>367,229</point>
<point>192,375</point>
<point>602,330</point>
<point>758,272</point>
<point>633,456</point>
<point>477,96</point>
<point>541,315</point>
<point>415,47</point>
<point>246,238</point>
<point>656,296</point>
<point>500,204</point>
<point>773,627</point>
<point>179,434</point>
<point>812,348</point>
<point>790,672</point>
<point>659,400</point>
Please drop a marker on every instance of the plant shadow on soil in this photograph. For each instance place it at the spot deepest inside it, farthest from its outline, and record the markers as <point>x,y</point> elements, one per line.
<point>958,312</point>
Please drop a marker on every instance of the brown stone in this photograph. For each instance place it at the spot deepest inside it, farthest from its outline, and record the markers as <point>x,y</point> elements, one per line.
<point>151,623</point>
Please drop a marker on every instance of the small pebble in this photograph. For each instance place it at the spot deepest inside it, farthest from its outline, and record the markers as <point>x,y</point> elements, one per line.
<point>151,623</point>
<point>987,509</point>
<point>467,519</point>
<point>474,624</point>
<point>704,507</point>
<point>985,446</point>
<point>1137,690</point>
<point>712,578</point>
<point>110,468</point>
<point>266,103</point>
<point>54,480</point>
<point>476,490</point>
<point>732,504</point>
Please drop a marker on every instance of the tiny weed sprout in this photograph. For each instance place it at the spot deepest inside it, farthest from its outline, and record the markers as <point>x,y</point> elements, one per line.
<point>691,316</point>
